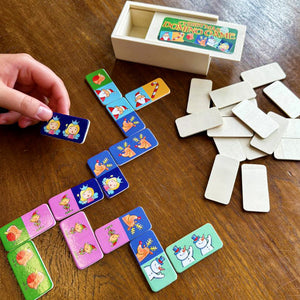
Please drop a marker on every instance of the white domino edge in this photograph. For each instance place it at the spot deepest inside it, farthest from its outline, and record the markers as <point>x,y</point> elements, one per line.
<point>232,94</point>
<point>250,152</point>
<point>198,122</point>
<point>263,75</point>
<point>255,118</point>
<point>284,98</point>
<point>255,189</point>
<point>199,99</point>
<point>269,144</point>
<point>231,127</point>
<point>222,178</point>
<point>230,147</point>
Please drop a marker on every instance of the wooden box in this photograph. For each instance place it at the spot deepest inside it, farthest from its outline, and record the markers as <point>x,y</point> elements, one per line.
<point>136,38</point>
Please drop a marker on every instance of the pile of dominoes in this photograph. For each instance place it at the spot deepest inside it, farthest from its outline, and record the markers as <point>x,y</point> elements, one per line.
<point>85,245</point>
<point>241,130</point>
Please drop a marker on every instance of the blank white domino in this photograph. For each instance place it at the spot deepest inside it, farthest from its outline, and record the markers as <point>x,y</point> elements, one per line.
<point>284,98</point>
<point>222,178</point>
<point>288,149</point>
<point>199,99</point>
<point>230,147</point>
<point>232,94</point>
<point>198,122</point>
<point>255,118</point>
<point>293,129</point>
<point>269,144</point>
<point>255,188</point>
<point>231,127</point>
<point>263,75</point>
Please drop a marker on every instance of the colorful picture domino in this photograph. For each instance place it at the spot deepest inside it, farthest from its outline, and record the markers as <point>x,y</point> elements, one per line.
<point>194,247</point>
<point>30,271</point>
<point>133,146</point>
<point>26,227</point>
<point>147,94</point>
<point>153,261</point>
<point>120,231</point>
<point>76,198</point>
<point>102,85</point>
<point>66,127</point>
<point>81,240</point>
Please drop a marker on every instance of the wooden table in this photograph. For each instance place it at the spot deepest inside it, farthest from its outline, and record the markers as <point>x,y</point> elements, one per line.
<point>260,257</point>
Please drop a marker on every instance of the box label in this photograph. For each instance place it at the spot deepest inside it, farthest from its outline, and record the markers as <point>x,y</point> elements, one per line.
<point>199,35</point>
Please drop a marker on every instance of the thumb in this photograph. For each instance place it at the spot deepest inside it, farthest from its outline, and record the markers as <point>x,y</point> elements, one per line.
<point>31,107</point>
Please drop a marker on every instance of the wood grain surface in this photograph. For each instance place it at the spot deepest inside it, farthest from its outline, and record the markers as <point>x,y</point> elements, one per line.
<point>260,258</point>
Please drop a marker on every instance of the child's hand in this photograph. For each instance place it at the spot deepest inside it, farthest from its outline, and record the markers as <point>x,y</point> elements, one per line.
<point>30,91</point>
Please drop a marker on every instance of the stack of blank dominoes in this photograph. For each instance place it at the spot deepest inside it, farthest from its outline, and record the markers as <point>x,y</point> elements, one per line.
<point>241,130</point>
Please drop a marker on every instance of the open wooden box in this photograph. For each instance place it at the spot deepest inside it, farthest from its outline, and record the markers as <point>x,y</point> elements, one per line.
<point>135,38</point>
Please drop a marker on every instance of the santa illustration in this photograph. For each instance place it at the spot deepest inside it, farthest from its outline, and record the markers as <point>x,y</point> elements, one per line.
<point>117,111</point>
<point>165,36</point>
<point>140,99</point>
<point>103,94</point>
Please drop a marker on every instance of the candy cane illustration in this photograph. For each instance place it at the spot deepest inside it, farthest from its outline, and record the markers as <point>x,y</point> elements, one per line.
<point>181,34</point>
<point>155,89</point>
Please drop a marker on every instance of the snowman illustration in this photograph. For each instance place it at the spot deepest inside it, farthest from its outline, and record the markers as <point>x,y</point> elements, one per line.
<point>184,255</point>
<point>155,268</point>
<point>202,243</point>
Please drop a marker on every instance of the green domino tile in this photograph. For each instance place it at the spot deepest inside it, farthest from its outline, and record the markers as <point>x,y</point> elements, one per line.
<point>159,272</point>
<point>98,79</point>
<point>30,271</point>
<point>13,234</point>
<point>194,247</point>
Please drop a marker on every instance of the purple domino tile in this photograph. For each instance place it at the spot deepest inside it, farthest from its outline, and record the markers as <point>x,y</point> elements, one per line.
<point>63,205</point>
<point>38,220</point>
<point>81,240</point>
<point>111,236</point>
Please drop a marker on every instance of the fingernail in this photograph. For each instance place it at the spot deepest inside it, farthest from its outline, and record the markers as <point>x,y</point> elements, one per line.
<point>44,113</point>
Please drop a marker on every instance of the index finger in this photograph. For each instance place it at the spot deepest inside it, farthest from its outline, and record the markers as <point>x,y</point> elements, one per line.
<point>30,72</point>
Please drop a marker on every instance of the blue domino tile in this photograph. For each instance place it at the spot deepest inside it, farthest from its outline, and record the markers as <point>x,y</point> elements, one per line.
<point>119,108</point>
<point>131,124</point>
<point>87,193</point>
<point>135,223</point>
<point>108,93</point>
<point>66,127</point>
<point>140,94</point>
<point>113,182</point>
<point>101,163</point>
<point>133,146</point>
<point>145,247</point>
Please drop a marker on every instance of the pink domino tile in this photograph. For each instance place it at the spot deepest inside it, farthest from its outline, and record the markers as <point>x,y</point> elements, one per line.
<point>63,205</point>
<point>81,240</point>
<point>111,236</point>
<point>38,220</point>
